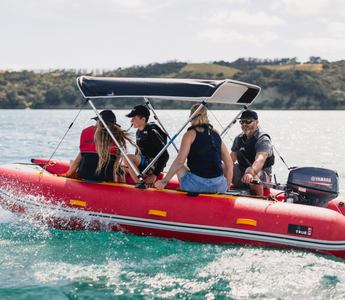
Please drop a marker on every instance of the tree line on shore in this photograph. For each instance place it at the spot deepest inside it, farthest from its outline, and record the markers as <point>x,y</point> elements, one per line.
<point>290,88</point>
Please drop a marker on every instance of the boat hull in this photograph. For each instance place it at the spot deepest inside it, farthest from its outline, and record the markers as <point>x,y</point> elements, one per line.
<point>74,204</point>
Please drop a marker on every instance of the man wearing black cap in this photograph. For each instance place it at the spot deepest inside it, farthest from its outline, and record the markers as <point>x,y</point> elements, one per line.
<point>252,149</point>
<point>150,139</point>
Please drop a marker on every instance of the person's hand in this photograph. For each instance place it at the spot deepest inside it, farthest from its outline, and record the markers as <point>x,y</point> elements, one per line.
<point>151,179</point>
<point>160,185</point>
<point>247,178</point>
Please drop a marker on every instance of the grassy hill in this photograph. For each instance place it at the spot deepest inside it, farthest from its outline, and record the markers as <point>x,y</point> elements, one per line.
<point>212,69</point>
<point>297,67</point>
<point>286,86</point>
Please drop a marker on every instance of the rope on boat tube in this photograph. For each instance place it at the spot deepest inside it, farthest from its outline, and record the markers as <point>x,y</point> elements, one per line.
<point>70,126</point>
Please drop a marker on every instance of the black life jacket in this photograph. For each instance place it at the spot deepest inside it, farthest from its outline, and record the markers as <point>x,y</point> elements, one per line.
<point>246,153</point>
<point>203,161</point>
<point>151,140</point>
<point>89,162</point>
<point>161,132</point>
<point>142,135</point>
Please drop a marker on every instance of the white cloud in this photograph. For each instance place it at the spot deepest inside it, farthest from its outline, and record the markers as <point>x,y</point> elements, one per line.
<point>325,45</point>
<point>308,7</point>
<point>269,36</point>
<point>337,29</point>
<point>323,20</point>
<point>245,18</point>
<point>143,6</point>
<point>233,1</point>
<point>220,35</point>
<point>131,4</point>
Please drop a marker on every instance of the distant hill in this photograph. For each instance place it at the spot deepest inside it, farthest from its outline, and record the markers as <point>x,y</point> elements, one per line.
<point>299,67</point>
<point>211,69</point>
<point>285,84</point>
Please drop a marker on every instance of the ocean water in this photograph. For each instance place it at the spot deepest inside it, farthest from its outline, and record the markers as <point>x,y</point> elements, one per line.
<point>37,262</point>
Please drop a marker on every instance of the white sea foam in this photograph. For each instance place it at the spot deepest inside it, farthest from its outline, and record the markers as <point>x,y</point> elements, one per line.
<point>6,216</point>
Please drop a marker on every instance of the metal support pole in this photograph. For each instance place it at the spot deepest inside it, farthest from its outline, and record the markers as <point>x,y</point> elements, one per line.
<point>116,142</point>
<point>174,137</point>
<point>233,121</point>
<point>160,123</point>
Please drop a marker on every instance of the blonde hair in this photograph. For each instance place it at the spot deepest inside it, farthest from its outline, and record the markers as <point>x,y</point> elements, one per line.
<point>104,142</point>
<point>200,119</point>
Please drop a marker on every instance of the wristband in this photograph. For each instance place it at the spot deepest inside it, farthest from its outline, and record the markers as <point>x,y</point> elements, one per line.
<point>249,173</point>
<point>165,181</point>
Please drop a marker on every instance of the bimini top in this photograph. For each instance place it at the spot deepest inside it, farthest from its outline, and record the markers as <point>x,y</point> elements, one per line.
<point>217,91</point>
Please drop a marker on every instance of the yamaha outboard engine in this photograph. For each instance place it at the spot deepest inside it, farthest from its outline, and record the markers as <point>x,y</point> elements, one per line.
<point>312,186</point>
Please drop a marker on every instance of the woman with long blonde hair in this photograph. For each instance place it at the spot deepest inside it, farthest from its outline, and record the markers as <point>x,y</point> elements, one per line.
<point>204,150</point>
<point>99,159</point>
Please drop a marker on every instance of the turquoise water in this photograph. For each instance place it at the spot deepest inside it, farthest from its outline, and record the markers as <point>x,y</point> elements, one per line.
<point>42,263</point>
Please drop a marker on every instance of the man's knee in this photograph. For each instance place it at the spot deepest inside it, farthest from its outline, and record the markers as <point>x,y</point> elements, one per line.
<point>257,190</point>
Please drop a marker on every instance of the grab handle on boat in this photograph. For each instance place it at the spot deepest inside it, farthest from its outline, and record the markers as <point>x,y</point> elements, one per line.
<point>142,186</point>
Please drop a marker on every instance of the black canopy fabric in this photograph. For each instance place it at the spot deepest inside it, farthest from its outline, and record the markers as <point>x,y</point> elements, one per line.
<point>217,91</point>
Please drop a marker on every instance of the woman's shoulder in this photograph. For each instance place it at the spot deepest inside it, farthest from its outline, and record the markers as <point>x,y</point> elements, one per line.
<point>190,134</point>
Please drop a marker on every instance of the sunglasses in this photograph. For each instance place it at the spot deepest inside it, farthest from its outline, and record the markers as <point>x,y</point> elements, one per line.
<point>246,121</point>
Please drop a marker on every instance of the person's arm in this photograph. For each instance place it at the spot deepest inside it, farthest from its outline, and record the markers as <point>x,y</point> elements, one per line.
<point>227,159</point>
<point>233,156</point>
<point>75,165</point>
<point>263,148</point>
<point>179,161</point>
<point>233,153</point>
<point>257,166</point>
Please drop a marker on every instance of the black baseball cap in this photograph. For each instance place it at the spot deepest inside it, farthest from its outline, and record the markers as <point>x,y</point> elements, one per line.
<point>139,110</point>
<point>249,114</point>
<point>107,116</point>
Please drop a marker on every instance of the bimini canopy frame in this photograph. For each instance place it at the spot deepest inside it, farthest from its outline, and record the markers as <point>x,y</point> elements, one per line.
<point>217,91</point>
<point>205,91</point>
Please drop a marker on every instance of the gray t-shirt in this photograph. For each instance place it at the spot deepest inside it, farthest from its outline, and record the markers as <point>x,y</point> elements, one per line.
<point>262,145</point>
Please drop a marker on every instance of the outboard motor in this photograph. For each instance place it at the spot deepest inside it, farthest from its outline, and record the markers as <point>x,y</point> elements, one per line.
<point>312,186</point>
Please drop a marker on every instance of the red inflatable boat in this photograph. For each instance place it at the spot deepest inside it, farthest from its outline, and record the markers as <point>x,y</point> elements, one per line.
<point>307,213</point>
<point>233,217</point>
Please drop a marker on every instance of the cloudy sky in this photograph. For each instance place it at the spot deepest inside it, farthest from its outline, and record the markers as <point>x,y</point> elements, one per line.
<point>108,34</point>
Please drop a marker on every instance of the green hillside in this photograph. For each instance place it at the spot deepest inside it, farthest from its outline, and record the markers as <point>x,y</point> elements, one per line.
<point>284,85</point>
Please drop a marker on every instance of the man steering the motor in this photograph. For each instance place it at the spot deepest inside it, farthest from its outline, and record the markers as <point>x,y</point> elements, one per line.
<point>253,153</point>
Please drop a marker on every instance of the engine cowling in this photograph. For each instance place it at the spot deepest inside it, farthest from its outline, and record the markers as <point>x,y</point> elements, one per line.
<point>314,185</point>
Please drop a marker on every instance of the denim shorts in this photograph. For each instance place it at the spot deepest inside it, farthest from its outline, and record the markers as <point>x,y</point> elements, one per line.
<point>193,183</point>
